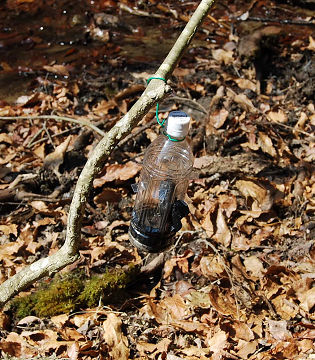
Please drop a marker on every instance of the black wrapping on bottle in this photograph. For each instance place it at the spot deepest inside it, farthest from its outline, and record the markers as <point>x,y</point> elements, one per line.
<point>174,210</point>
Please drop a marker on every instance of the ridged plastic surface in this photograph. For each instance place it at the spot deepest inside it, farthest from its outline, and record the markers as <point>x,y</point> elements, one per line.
<point>164,179</point>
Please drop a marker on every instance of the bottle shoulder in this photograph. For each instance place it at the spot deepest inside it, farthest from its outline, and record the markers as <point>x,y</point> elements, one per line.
<point>169,158</point>
<point>162,142</point>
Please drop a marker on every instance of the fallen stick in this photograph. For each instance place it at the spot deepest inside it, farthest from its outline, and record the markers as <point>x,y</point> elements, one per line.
<point>58,118</point>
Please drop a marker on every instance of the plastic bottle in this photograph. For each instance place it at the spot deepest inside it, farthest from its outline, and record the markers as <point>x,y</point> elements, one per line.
<point>159,205</point>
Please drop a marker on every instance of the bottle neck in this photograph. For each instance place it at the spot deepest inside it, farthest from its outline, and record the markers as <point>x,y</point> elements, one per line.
<point>174,138</point>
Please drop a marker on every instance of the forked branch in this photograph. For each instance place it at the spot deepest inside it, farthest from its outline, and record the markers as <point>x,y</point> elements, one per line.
<point>155,91</point>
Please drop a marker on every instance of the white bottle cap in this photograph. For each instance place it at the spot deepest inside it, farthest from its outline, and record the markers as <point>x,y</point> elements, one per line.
<point>177,124</point>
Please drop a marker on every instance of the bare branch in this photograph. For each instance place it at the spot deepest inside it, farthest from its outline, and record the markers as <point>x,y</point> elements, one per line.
<point>155,91</point>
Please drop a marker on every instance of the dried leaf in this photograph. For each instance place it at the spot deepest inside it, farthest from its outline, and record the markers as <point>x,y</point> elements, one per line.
<point>278,116</point>
<point>278,329</point>
<point>246,84</point>
<point>307,334</point>
<point>263,199</point>
<point>183,288</point>
<point>307,299</point>
<point>266,144</point>
<point>246,348</point>
<point>180,261</point>
<point>5,138</point>
<point>9,229</point>
<point>15,345</point>
<point>118,172</point>
<point>39,205</point>
<point>228,204</point>
<point>73,351</point>
<point>221,302</point>
<point>284,307</point>
<point>217,97</point>
<point>242,331</point>
<point>59,320</point>
<point>193,353</point>
<point>311,45</point>
<point>208,225</point>
<point>107,195</point>
<point>5,321</point>
<point>223,56</point>
<point>254,266</point>
<point>223,234</point>
<point>242,100</point>
<point>218,342</point>
<point>57,69</point>
<point>199,299</point>
<point>40,151</point>
<point>212,266</point>
<point>103,107</point>
<point>114,338</point>
<point>175,306</point>
<point>80,319</point>
<point>71,334</point>
<point>160,348</point>
<point>56,158</point>
<point>10,249</point>
<point>191,326</point>
<point>11,348</point>
<point>218,117</point>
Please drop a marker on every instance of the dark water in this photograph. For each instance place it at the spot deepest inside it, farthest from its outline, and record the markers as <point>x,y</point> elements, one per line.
<point>67,33</point>
<point>77,34</point>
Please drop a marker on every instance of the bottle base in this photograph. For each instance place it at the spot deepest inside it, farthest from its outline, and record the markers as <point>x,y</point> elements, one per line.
<point>149,243</point>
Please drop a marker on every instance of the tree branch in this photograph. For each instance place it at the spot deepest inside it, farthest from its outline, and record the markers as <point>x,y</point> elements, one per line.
<point>155,91</point>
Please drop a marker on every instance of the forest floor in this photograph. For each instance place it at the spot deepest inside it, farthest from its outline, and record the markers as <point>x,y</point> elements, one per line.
<point>239,281</point>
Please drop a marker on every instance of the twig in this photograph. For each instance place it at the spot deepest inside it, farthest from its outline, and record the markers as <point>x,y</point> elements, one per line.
<point>229,274</point>
<point>35,137</point>
<point>54,135</point>
<point>48,135</point>
<point>181,234</point>
<point>220,23</point>
<point>138,12</point>
<point>289,127</point>
<point>270,307</point>
<point>20,178</point>
<point>230,356</point>
<point>279,21</point>
<point>155,91</point>
<point>133,157</point>
<point>191,102</point>
<point>58,118</point>
<point>131,136</point>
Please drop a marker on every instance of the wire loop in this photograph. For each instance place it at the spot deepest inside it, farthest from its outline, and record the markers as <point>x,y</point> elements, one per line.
<point>157,112</point>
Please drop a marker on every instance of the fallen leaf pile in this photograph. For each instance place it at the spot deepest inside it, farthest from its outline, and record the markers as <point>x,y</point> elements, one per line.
<point>238,283</point>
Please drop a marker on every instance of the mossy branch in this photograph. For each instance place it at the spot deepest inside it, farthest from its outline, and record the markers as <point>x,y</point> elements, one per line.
<point>74,291</point>
<point>155,91</point>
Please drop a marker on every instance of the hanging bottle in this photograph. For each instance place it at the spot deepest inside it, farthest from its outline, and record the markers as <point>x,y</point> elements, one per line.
<point>164,178</point>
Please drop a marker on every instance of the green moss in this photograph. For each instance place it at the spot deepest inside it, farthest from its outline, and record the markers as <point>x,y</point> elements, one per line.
<point>100,288</point>
<point>23,306</point>
<point>69,292</point>
<point>59,298</point>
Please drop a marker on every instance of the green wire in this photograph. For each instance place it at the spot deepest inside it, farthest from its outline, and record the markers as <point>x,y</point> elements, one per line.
<point>157,112</point>
<point>157,104</point>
